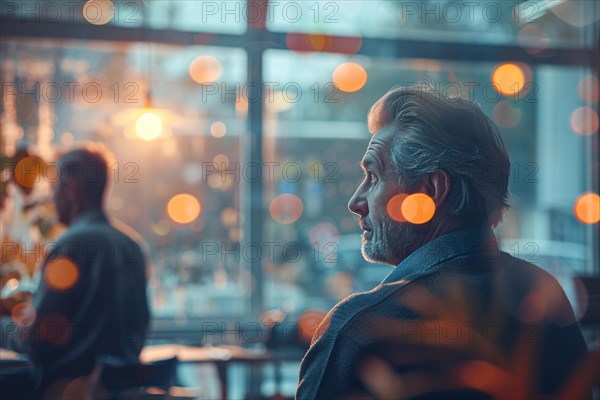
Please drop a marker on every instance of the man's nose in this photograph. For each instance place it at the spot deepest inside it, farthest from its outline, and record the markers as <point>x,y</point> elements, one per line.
<point>358,203</point>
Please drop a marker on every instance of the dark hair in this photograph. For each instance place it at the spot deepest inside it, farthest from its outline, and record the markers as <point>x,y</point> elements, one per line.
<point>452,134</point>
<point>88,167</point>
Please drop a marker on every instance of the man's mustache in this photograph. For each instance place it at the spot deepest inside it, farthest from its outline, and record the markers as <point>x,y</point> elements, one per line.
<point>364,226</point>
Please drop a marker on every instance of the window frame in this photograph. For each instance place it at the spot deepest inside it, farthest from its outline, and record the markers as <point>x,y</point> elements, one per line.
<point>255,41</point>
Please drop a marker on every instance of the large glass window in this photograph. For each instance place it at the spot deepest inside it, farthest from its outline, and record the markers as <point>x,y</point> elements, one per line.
<point>184,206</point>
<point>317,128</point>
<point>237,128</point>
<point>185,183</point>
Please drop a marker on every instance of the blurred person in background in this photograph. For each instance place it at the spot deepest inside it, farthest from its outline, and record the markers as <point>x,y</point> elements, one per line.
<point>456,317</point>
<point>92,296</point>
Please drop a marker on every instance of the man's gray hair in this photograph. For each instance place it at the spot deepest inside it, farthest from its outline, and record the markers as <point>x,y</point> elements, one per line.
<point>452,134</point>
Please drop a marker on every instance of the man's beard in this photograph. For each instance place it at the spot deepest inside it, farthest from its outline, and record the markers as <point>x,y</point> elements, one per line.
<point>390,242</point>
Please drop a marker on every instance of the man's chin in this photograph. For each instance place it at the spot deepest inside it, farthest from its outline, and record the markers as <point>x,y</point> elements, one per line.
<point>370,254</point>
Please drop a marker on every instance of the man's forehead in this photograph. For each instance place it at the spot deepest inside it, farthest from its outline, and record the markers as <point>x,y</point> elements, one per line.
<point>379,142</point>
<point>376,154</point>
<point>385,134</point>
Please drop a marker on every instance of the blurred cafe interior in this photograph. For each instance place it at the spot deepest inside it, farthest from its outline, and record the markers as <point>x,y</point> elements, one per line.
<point>236,128</point>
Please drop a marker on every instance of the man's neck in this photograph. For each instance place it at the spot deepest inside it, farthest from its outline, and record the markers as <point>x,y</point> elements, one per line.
<point>439,228</point>
<point>85,209</point>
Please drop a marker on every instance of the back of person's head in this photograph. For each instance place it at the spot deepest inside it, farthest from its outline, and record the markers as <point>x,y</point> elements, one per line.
<point>88,168</point>
<point>452,134</point>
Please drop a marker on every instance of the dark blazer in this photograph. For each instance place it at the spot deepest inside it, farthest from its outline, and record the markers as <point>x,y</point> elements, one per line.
<point>91,301</point>
<point>457,302</point>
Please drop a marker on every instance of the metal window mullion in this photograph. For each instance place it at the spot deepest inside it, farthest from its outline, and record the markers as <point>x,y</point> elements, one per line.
<point>253,148</point>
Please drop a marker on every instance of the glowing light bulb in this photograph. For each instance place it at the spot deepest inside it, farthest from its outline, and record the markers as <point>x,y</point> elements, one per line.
<point>148,126</point>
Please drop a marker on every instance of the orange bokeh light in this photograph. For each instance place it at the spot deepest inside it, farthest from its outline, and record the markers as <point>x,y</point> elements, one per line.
<point>305,43</point>
<point>349,77</point>
<point>23,314</point>
<point>317,41</point>
<point>587,208</point>
<point>506,115</point>
<point>183,208</point>
<point>584,121</point>
<point>589,89</point>
<point>61,273</point>
<point>28,171</point>
<point>205,69</point>
<point>241,106</point>
<point>508,79</point>
<point>55,329</point>
<point>394,207</point>
<point>286,208</point>
<point>418,208</point>
<point>98,12</point>
<point>308,323</point>
<point>310,43</point>
<point>218,129</point>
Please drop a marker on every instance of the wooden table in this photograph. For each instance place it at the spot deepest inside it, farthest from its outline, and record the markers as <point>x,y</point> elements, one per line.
<point>221,356</point>
<point>9,355</point>
<point>11,362</point>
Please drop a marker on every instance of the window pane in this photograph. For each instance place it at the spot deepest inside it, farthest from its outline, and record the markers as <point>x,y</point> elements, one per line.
<point>536,25</point>
<point>195,15</point>
<point>314,127</point>
<point>315,136</point>
<point>198,16</point>
<point>57,94</point>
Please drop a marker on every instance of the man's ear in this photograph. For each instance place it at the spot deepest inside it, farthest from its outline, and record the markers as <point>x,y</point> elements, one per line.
<point>437,185</point>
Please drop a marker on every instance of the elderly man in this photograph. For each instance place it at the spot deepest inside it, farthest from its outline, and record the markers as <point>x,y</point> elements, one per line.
<point>456,317</point>
<point>92,295</point>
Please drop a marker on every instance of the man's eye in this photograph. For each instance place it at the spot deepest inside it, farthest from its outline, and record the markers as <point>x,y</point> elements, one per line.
<point>371,176</point>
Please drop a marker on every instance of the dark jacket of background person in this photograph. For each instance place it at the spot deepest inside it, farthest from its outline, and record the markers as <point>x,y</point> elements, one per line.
<point>91,301</point>
<point>456,313</point>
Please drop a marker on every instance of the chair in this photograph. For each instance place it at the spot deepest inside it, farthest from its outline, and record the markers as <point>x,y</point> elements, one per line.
<point>458,394</point>
<point>123,381</point>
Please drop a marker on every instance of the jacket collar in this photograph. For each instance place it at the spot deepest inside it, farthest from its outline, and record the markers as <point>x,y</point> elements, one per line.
<point>88,217</point>
<point>460,245</point>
